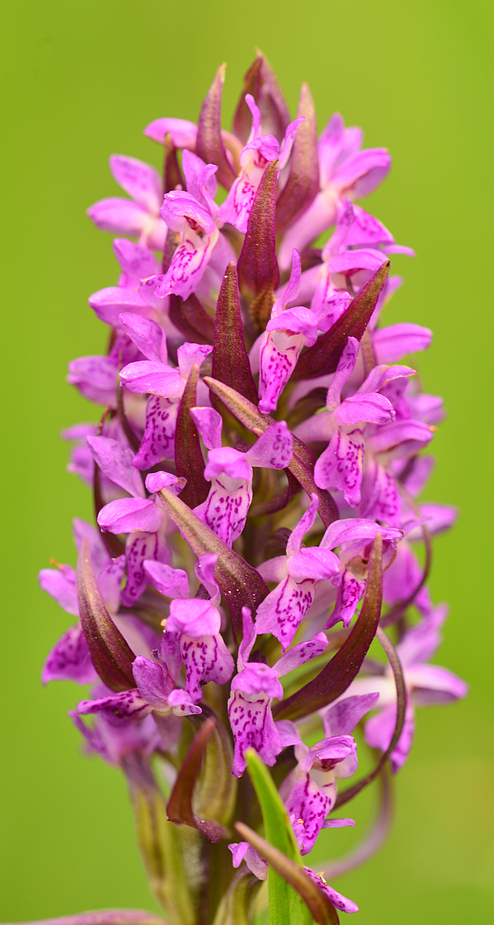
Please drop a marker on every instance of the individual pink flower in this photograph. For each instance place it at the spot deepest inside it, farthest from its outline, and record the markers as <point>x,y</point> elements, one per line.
<point>138,217</point>
<point>344,170</point>
<point>259,151</point>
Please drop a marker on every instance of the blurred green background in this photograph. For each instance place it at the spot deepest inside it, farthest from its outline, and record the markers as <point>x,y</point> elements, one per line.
<point>81,80</point>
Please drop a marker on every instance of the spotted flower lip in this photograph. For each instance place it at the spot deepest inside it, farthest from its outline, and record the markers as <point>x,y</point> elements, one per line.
<point>298,572</point>
<point>257,466</point>
<point>196,218</point>
<point>231,472</point>
<point>287,331</point>
<point>253,688</point>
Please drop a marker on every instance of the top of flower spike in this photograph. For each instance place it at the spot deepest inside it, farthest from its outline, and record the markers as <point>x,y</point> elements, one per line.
<point>289,518</point>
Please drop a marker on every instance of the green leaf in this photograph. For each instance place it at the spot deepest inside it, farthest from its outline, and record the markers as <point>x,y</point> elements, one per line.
<point>285,907</point>
<point>313,904</point>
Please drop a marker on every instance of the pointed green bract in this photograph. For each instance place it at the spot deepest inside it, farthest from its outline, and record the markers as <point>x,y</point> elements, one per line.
<point>209,144</point>
<point>230,360</point>
<point>322,358</point>
<point>179,807</point>
<point>189,461</point>
<point>338,674</point>
<point>110,653</point>
<point>240,583</point>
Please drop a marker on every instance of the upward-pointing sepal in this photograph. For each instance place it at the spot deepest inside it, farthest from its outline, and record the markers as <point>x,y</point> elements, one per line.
<point>112,657</point>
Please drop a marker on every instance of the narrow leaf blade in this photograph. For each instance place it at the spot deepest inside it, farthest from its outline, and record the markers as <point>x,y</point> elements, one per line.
<point>338,674</point>
<point>318,905</point>
<point>277,826</point>
<point>284,906</point>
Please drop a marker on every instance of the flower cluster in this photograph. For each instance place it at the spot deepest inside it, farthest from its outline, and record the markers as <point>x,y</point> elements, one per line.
<point>255,470</point>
